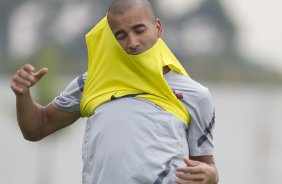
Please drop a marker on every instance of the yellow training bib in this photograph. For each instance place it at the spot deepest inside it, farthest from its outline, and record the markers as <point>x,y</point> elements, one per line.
<point>112,73</point>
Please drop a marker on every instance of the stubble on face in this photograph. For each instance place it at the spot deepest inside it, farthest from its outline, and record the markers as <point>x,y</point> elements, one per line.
<point>135,28</point>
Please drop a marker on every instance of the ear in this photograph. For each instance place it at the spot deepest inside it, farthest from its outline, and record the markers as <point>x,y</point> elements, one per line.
<point>159,28</point>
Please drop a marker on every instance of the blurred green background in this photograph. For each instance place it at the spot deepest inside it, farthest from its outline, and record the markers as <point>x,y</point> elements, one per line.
<point>232,47</point>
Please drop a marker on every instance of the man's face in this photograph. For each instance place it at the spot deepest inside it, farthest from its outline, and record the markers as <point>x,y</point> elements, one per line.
<point>135,30</point>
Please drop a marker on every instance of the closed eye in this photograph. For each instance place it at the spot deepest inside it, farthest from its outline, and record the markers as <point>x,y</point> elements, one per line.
<point>139,28</point>
<point>120,35</point>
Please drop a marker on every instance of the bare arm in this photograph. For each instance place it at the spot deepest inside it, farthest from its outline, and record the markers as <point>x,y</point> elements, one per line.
<point>36,121</point>
<point>200,170</point>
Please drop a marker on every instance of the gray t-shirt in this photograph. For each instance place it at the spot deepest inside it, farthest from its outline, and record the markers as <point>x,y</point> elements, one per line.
<point>131,140</point>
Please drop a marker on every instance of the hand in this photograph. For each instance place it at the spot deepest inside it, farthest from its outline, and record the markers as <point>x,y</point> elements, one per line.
<point>196,173</point>
<point>26,77</point>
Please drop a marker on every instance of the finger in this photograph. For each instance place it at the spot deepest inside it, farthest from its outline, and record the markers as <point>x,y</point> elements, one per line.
<point>187,182</point>
<point>23,81</point>
<point>28,67</point>
<point>15,88</point>
<point>190,177</point>
<point>189,169</point>
<point>38,75</point>
<point>18,89</point>
<point>25,74</point>
<point>186,160</point>
<point>190,162</point>
<point>184,169</point>
<point>179,181</point>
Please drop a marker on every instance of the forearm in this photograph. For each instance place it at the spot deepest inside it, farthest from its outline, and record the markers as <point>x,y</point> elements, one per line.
<point>29,116</point>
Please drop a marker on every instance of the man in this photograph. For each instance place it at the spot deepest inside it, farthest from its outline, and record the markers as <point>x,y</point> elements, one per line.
<point>137,129</point>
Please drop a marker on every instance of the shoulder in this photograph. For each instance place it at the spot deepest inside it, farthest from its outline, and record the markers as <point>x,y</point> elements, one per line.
<point>188,86</point>
<point>69,98</point>
<point>77,83</point>
<point>80,80</point>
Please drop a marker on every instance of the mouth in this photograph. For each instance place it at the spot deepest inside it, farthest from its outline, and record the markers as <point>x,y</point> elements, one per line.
<point>134,51</point>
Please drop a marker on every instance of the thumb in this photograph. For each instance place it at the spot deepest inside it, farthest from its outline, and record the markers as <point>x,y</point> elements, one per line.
<point>190,162</point>
<point>38,75</point>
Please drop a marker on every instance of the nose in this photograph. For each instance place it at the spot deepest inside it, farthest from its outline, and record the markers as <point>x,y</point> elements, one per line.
<point>133,42</point>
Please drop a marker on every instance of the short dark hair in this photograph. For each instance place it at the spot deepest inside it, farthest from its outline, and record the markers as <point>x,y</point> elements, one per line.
<point>121,6</point>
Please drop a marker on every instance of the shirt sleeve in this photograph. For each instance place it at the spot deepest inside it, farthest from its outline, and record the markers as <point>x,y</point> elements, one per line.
<point>198,102</point>
<point>69,98</point>
<point>200,129</point>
